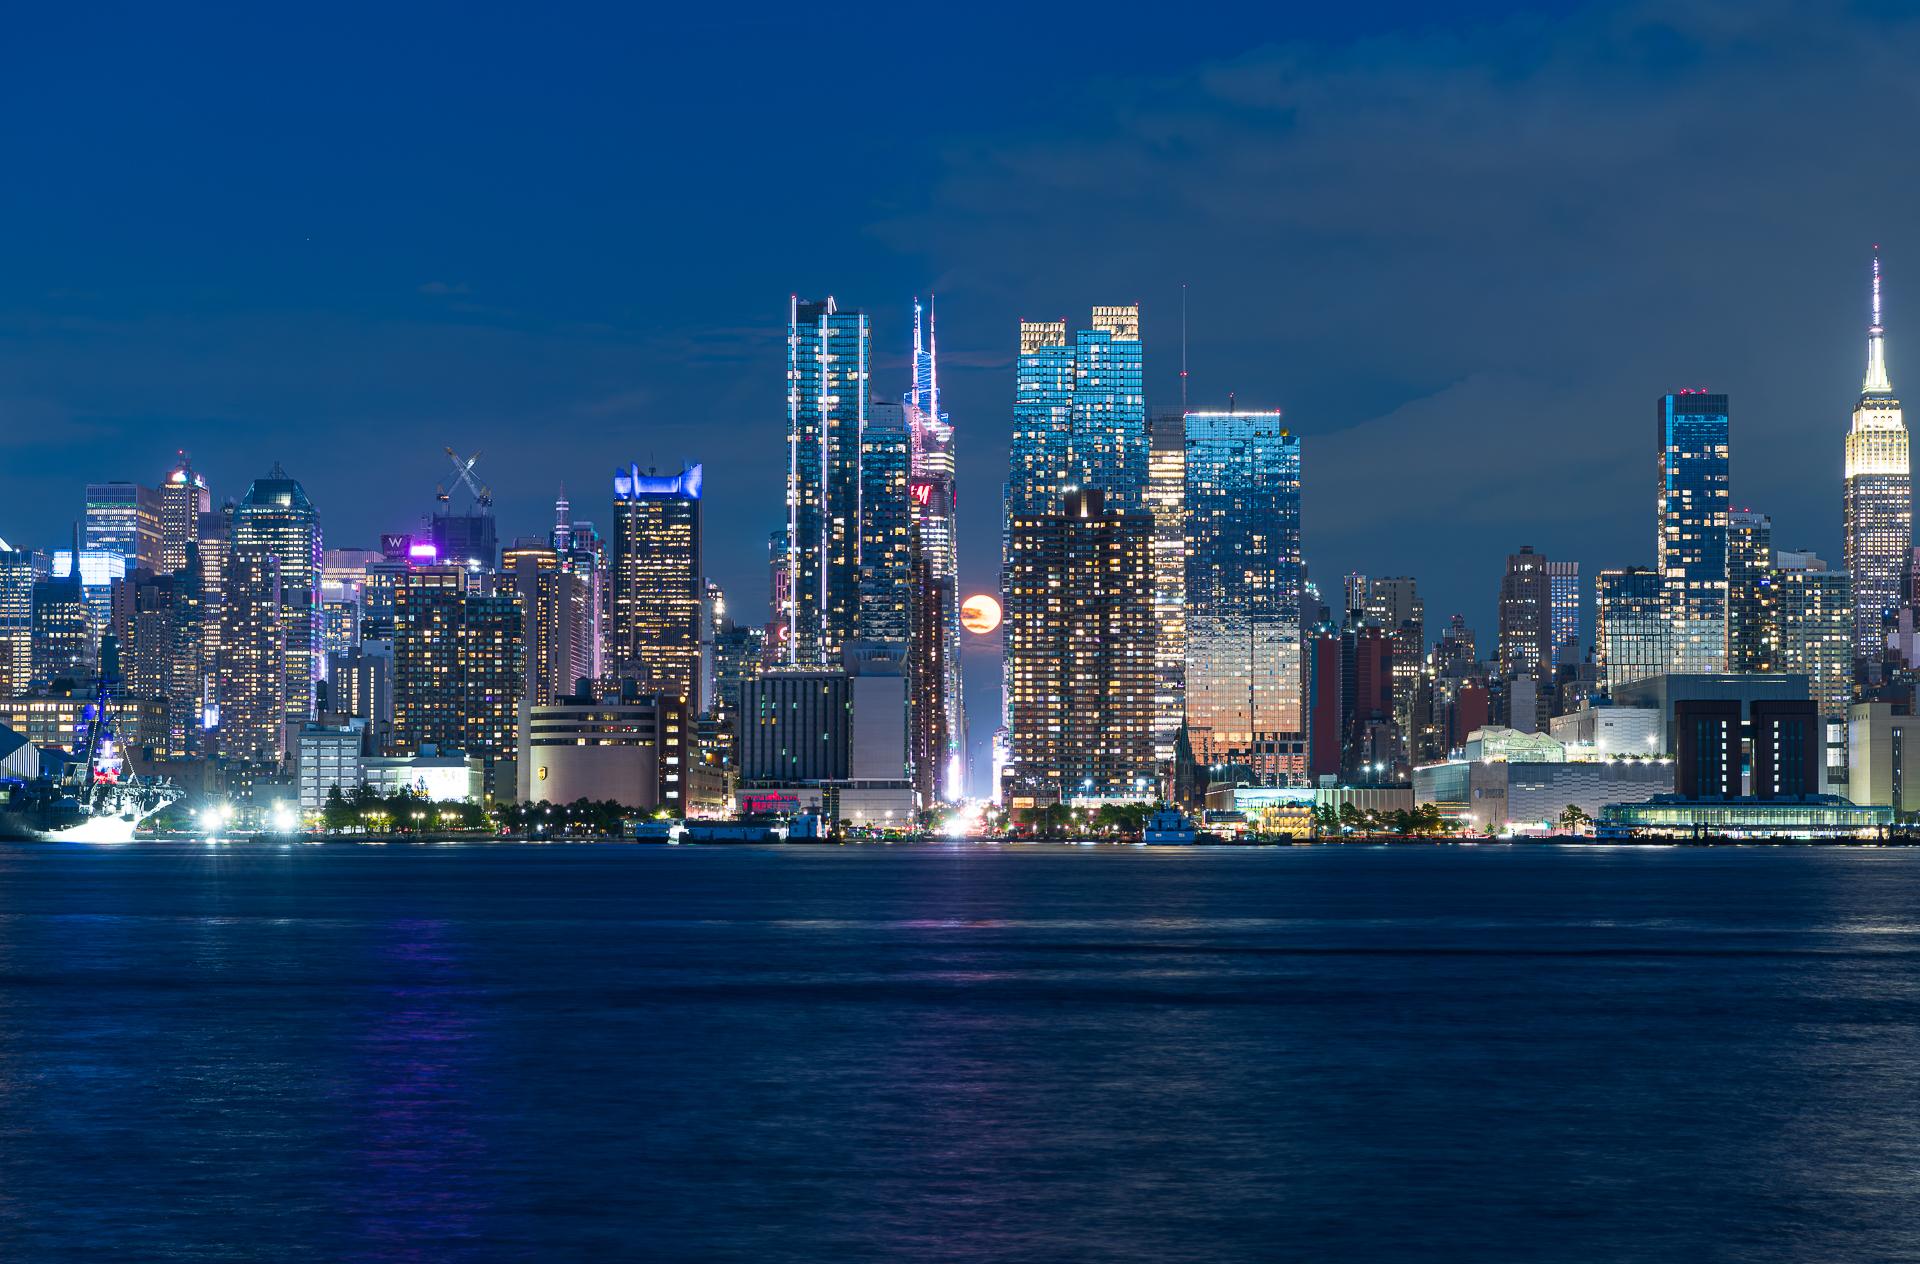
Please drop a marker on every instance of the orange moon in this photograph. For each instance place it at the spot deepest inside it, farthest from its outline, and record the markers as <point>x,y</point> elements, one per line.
<point>980,614</point>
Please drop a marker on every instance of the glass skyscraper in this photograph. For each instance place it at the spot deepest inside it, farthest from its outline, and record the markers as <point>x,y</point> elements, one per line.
<point>1692,528</point>
<point>1749,587</point>
<point>1080,414</point>
<point>1630,633</point>
<point>829,354</point>
<point>885,524</point>
<point>1243,577</point>
<point>1878,507</point>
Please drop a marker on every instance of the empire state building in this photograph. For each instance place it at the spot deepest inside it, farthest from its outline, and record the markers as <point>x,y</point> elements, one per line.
<point>1879,496</point>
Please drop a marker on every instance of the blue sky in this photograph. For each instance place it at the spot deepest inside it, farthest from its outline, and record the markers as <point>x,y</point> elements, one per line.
<point>1464,251</point>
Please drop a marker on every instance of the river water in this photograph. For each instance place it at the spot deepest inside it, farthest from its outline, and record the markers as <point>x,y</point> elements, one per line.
<point>509,1052</point>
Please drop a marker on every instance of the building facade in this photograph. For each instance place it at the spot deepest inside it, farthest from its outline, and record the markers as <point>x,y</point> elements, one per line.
<point>1080,653</point>
<point>1877,512</point>
<point>1631,633</point>
<point>1691,535</point>
<point>1243,573</point>
<point>658,587</point>
<point>829,356</point>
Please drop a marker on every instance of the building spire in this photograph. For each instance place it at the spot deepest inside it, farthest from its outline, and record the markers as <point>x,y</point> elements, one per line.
<point>1876,382</point>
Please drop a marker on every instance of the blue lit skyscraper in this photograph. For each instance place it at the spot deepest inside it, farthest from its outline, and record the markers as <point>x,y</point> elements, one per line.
<point>885,524</point>
<point>1079,414</point>
<point>1243,594</point>
<point>829,353</point>
<point>1692,538</point>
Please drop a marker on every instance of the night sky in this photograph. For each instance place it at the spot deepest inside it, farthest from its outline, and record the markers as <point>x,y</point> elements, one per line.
<point>1465,252</point>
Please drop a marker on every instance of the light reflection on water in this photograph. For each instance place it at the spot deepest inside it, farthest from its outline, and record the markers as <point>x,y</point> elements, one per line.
<point>499,1052</point>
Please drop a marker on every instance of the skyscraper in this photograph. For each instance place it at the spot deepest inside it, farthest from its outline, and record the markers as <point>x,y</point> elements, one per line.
<point>1691,535</point>
<point>1526,617</point>
<point>1242,673</point>
<point>124,518</point>
<point>1080,415</point>
<point>458,662</point>
<point>935,570</point>
<point>1080,653</point>
<point>183,498</point>
<point>1631,631</point>
<point>1166,500</point>
<point>16,620</point>
<point>1563,586</point>
<point>1810,633</point>
<point>1393,602</point>
<point>658,588</point>
<point>829,352</point>
<point>1878,506</point>
<point>271,638</point>
<point>885,523</point>
<point>1749,583</point>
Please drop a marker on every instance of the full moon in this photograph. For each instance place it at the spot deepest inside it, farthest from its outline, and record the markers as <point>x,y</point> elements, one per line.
<point>980,614</point>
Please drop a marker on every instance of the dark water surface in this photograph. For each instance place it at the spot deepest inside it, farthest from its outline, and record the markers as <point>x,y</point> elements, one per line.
<point>619,1052</point>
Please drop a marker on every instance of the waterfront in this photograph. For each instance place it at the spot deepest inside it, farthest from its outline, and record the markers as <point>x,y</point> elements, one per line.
<point>958,1052</point>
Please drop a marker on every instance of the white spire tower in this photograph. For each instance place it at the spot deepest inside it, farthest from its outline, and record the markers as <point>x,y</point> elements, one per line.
<point>1878,508</point>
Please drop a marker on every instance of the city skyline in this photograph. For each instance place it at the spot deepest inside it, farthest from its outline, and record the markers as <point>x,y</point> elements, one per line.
<point>236,327</point>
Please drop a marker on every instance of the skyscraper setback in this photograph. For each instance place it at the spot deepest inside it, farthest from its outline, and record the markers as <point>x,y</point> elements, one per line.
<point>1877,511</point>
<point>829,352</point>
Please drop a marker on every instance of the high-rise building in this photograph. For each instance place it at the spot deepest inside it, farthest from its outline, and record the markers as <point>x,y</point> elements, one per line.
<point>935,577</point>
<point>62,629</point>
<point>1563,586</point>
<point>274,555</point>
<point>100,570</point>
<point>829,354</point>
<point>253,675</point>
<point>156,620</point>
<point>1080,415</point>
<point>183,499</point>
<point>1749,584</point>
<point>555,602</point>
<point>1080,653</point>
<point>582,552</point>
<point>658,588</point>
<point>1166,500</point>
<point>885,523</point>
<point>1631,631</point>
<point>458,662</point>
<point>124,518</point>
<point>1393,602</point>
<point>1878,506</point>
<point>16,620</point>
<point>934,743</point>
<point>1810,633</point>
<point>1526,617</point>
<point>779,600</point>
<point>216,537</point>
<point>1691,534</point>
<point>1242,674</point>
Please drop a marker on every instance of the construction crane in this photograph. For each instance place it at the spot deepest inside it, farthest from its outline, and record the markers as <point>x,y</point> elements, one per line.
<point>463,473</point>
